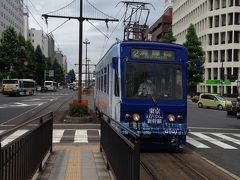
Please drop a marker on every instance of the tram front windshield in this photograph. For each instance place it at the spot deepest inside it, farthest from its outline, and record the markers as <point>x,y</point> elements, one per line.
<point>152,80</point>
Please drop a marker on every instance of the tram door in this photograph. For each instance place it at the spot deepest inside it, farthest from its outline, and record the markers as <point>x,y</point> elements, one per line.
<point>115,97</point>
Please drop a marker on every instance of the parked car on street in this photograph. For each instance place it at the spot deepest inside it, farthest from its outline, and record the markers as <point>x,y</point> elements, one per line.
<point>213,101</point>
<point>195,99</point>
<point>234,108</point>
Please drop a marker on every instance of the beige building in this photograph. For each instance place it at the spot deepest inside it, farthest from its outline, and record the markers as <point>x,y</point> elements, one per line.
<point>11,14</point>
<point>217,23</point>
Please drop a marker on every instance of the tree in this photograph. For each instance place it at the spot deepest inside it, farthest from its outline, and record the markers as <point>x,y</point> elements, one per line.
<point>58,72</point>
<point>168,37</point>
<point>72,74</point>
<point>8,53</point>
<point>40,65</point>
<point>195,59</point>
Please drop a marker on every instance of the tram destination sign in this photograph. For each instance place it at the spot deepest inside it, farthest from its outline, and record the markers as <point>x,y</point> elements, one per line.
<point>155,54</point>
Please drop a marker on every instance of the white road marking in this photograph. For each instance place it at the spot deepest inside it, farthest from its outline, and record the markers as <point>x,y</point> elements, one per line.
<point>29,100</point>
<point>13,136</point>
<point>81,136</point>
<point>195,143</point>
<point>57,135</point>
<point>238,135</point>
<point>236,141</point>
<point>213,141</point>
<point>1,131</point>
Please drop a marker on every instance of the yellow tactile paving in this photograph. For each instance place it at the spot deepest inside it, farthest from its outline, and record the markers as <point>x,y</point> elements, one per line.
<point>73,171</point>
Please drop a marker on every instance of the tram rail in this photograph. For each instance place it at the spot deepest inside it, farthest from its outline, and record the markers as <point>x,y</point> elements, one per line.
<point>181,164</point>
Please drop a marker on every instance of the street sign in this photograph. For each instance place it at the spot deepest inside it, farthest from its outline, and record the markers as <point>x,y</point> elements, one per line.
<point>68,77</point>
<point>212,82</point>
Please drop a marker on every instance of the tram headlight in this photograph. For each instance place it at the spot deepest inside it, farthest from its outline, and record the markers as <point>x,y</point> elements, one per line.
<point>127,117</point>
<point>179,117</point>
<point>171,117</point>
<point>136,117</point>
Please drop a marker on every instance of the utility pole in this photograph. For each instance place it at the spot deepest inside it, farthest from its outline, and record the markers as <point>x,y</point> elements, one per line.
<point>86,42</point>
<point>80,19</point>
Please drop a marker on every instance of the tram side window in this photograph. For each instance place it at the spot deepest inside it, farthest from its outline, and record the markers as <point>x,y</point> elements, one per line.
<point>105,79</point>
<point>116,84</point>
<point>101,81</point>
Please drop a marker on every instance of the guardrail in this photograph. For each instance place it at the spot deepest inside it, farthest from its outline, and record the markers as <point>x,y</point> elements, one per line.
<point>21,158</point>
<point>122,155</point>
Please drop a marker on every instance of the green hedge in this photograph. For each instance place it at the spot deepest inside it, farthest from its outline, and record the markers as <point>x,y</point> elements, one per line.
<point>78,110</point>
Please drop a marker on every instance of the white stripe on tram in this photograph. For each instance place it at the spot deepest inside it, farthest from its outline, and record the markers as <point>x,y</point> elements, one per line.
<point>213,141</point>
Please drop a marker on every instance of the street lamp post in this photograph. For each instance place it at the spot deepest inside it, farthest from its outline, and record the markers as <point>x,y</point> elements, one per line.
<point>86,42</point>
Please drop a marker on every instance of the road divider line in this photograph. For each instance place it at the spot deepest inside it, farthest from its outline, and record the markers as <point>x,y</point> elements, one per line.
<point>13,136</point>
<point>22,114</point>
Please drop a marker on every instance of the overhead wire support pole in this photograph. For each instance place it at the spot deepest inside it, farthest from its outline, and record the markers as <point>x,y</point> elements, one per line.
<point>80,18</point>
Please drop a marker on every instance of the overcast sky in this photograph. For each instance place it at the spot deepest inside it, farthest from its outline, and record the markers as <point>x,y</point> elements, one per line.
<point>66,36</point>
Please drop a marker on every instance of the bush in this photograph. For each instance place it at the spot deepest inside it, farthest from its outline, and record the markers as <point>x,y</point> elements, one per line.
<point>78,110</point>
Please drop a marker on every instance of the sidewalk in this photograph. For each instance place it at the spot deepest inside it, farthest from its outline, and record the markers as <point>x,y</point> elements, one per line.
<point>75,162</point>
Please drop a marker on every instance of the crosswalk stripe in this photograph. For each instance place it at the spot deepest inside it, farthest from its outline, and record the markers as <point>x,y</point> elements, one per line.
<point>213,141</point>
<point>196,143</point>
<point>81,136</point>
<point>236,141</point>
<point>1,131</point>
<point>13,136</point>
<point>57,135</point>
<point>238,135</point>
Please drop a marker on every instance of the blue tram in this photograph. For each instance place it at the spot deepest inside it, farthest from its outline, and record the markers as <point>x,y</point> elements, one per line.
<point>144,86</point>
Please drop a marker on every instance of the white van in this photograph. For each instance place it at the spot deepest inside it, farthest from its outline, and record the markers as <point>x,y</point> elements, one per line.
<point>50,85</point>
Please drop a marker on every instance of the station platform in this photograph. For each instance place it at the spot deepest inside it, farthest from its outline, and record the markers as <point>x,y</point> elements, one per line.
<point>75,162</point>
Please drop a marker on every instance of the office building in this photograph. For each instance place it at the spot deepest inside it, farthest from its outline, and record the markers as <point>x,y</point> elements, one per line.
<point>217,23</point>
<point>11,14</point>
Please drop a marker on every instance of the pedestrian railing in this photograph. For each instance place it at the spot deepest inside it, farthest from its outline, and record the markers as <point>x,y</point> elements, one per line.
<point>21,158</point>
<point>122,152</point>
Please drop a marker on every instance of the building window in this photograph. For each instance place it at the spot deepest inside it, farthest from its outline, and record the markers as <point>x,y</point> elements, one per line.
<point>237,2</point>
<point>236,55</point>
<point>216,38</point>
<point>216,21</point>
<point>210,20</point>
<point>223,17</point>
<point>230,3</point>
<point>236,36</point>
<point>230,18</point>
<point>215,56</point>
<point>222,53</point>
<point>237,19</point>
<point>223,36</point>
<point>210,39</point>
<point>229,37</point>
<point>229,55</point>
<point>224,3</point>
<point>209,56</point>
<point>210,5</point>
<point>217,4</point>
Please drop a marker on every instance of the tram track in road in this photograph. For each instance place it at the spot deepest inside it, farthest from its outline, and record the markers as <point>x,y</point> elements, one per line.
<point>39,110</point>
<point>180,164</point>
